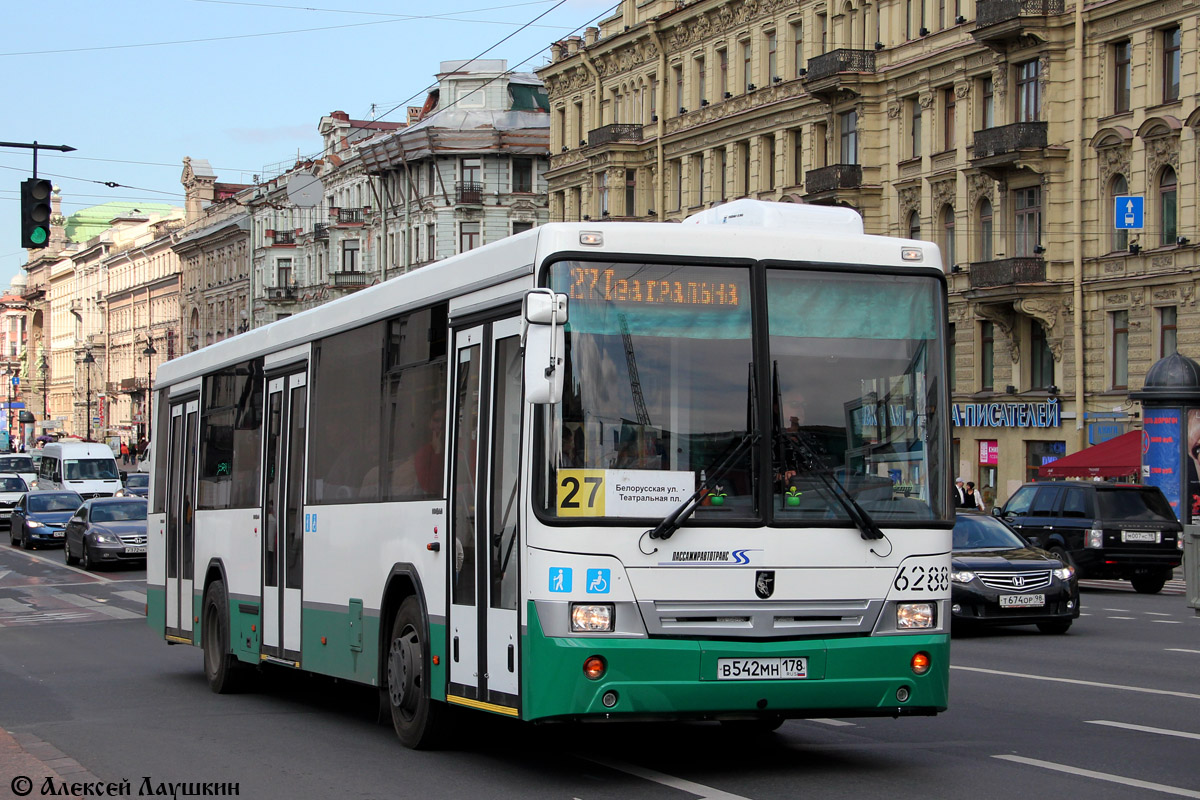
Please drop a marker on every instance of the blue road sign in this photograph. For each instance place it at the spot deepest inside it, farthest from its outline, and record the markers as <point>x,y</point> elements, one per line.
<point>1129,212</point>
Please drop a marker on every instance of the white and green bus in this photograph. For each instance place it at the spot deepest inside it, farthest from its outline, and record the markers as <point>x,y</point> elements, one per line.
<point>611,471</point>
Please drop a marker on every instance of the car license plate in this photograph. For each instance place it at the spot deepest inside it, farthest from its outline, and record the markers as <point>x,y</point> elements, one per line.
<point>58,534</point>
<point>132,550</point>
<point>1022,600</point>
<point>761,669</point>
<point>1153,537</point>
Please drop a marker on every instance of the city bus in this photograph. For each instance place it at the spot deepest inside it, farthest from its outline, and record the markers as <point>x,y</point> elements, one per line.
<point>615,471</point>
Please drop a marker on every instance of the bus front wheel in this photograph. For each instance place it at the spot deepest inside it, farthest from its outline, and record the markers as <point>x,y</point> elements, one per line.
<point>224,672</point>
<point>420,722</point>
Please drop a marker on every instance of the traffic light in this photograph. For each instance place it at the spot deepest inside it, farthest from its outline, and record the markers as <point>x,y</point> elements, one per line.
<point>35,213</point>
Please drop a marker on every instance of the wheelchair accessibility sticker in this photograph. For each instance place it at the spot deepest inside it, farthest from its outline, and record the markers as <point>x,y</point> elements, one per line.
<point>598,581</point>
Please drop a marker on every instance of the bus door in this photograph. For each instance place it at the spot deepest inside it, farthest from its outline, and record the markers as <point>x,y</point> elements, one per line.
<point>283,516</point>
<point>181,508</point>
<point>485,446</point>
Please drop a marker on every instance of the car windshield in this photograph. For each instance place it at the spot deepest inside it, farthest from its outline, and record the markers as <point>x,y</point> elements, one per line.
<point>60,501</point>
<point>137,480</point>
<point>1134,504</point>
<point>12,485</point>
<point>973,532</point>
<point>16,464</point>
<point>91,469</point>
<point>119,512</point>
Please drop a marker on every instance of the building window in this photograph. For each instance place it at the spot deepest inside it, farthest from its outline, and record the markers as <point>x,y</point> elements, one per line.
<point>952,375</point>
<point>522,180</point>
<point>948,255</point>
<point>985,230</point>
<point>914,118</point>
<point>1168,193</point>
<point>914,225</point>
<point>468,236</point>
<point>350,255</point>
<point>987,103</point>
<point>472,168</point>
<point>677,188</point>
<point>679,89</point>
<point>723,72</point>
<point>602,190</point>
<point>430,242</point>
<point>769,161</point>
<point>987,356</point>
<point>1171,64</point>
<point>521,227</point>
<point>797,48</point>
<point>1029,91</point>
<point>848,134</point>
<point>1168,320</point>
<point>698,177</point>
<point>1118,188</point>
<point>745,146</point>
<point>797,158</point>
<point>949,108</point>
<point>283,272</point>
<point>630,192</point>
<point>1120,349</point>
<point>1122,54</point>
<point>1041,360</point>
<point>1028,218</point>
<point>772,56</point>
<point>746,73</point>
<point>908,19</point>
<point>722,173</point>
<point>653,98</point>
<point>701,81</point>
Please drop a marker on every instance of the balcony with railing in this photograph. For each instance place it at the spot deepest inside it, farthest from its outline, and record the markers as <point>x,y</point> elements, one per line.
<point>468,193</point>
<point>616,132</point>
<point>285,237</point>
<point>829,179</point>
<point>349,216</point>
<point>280,294</point>
<point>341,280</point>
<point>998,22</point>
<point>1008,147</point>
<point>320,231</point>
<point>842,70</point>
<point>1007,272</point>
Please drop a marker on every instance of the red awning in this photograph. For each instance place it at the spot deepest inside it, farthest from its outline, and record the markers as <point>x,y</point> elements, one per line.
<point>1115,458</point>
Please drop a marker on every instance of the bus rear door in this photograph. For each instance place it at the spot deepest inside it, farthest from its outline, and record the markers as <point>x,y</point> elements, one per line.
<point>181,512</point>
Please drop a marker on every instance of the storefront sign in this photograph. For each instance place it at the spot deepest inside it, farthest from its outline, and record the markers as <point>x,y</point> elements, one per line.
<point>1007,415</point>
<point>1161,453</point>
<point>989,452</point>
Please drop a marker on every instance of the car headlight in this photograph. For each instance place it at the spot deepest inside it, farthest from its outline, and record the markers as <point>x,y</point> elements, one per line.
<point>1065,573</point>
<point>121,493</point>
<point>105,538</point>
<point>962,576</point>
<point>592,617</point>
<point>33,523</point>
<point>914,615</point>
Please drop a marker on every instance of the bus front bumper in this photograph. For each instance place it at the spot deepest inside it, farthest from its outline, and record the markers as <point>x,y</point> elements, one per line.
<point>678,678</point>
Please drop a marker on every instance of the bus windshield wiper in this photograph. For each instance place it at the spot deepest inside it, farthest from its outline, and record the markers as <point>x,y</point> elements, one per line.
<point>671,523</point>
<point>813,465</point>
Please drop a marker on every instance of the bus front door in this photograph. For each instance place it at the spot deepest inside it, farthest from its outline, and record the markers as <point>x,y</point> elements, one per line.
<point>181,511</point>
<point>283,517</point>
<point>485,446</point>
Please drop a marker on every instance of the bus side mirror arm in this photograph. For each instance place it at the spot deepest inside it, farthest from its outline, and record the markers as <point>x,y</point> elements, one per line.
<point>543,338</point>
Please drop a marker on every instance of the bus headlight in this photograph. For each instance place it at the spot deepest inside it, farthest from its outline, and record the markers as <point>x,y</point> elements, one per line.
<point>592,617</point>
<point>914,615</point>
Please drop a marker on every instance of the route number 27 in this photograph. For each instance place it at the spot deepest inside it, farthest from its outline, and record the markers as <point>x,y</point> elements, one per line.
<point>581,492</point>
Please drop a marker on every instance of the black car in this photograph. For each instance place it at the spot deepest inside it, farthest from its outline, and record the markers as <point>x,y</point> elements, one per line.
<point>1105,530</point>
<point>998,578</point>
<point>107,530</point>
<point>39,517</point>
<point>137,484</point>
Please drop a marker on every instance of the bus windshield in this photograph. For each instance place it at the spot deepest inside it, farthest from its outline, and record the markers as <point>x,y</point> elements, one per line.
<point>662,383</point>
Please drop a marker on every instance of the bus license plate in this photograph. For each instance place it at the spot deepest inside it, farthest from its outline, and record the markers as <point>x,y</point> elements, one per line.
<point>132,550</point>
<point>761,669</point>
<point>1141,536</point>
<point>1022,600</point>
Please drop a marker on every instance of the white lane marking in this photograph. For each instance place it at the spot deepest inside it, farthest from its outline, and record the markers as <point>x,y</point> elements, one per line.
<point>1123,610</point>
<point>1157,614</point>
<point>1143,728</point>
<point>1167,621</point>
<point>136,596</point>
<point>1102,776</point>
<point>1181,650</point>
<point>827,721</point>
<point>1142,689</point>
<point>704,792</point>
<point>1120,617</point>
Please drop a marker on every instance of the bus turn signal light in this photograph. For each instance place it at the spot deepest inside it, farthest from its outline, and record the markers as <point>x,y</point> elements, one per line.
<point>594,667</point>
<point>920,663</point>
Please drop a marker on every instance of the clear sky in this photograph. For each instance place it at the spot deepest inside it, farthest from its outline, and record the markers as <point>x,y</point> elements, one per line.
<point>134,86</point>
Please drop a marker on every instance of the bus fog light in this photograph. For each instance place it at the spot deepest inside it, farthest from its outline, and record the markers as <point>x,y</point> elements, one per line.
<point>594,667</point>
<point>914,615</point>
<point>902,694</point>
<point>920,663</point>
<point>609,699</point>
<point>592,617</point>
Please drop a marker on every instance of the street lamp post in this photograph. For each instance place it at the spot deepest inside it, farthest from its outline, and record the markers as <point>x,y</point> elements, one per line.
<point>148,352</point>
<point>8,378</point>
<point>45,368</point>
<point>88,360</point>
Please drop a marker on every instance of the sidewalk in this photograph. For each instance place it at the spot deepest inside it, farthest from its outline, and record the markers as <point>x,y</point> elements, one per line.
<point>24,755</point>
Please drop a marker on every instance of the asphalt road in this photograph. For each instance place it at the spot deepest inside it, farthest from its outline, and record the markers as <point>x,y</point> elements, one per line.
<point>1110,710</point>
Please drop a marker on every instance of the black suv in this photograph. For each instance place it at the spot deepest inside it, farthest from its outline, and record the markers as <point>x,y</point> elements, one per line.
<point>1107,530</point>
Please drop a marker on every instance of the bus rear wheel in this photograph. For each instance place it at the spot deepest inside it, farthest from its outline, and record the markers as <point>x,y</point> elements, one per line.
<point>421,723</point>
<point>224,672</point>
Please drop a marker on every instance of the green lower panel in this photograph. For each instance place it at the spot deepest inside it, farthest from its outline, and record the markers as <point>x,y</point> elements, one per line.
<point>156,608</point>
<point>664,677</point>
<point>340,654</point>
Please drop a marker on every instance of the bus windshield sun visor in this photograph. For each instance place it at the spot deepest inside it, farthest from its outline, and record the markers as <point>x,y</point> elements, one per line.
<point>666,529</point>
<point>812,464</point>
